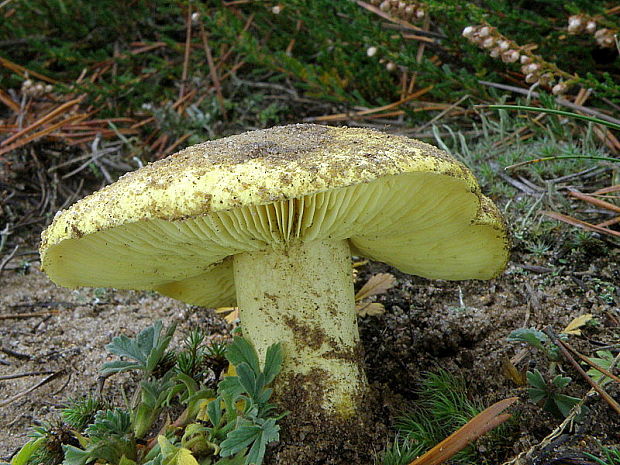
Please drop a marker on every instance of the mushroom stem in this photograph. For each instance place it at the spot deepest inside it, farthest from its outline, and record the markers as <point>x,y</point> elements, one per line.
<point>301,295</point>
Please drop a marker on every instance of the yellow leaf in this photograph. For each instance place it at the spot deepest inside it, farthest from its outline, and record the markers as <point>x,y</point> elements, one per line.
<point>370,309</point>
<point>512,372</point>
<point>378,284</point>
<point>185,457</point>
<point>230,371</point>
<point>573,326</point>
<point>202,409</point>
<point>232,314</point>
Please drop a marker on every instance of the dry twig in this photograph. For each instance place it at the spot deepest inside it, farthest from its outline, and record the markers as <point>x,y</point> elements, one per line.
<point>561,345</point>
<point>19,395</point>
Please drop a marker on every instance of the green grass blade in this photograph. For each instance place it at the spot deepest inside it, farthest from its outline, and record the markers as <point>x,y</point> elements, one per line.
<point>551,111</point>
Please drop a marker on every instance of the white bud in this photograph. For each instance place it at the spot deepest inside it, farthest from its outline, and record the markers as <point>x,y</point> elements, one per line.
<point>48,88</point>
<point>39,88</point>
<point>488,42</point>
<point>591,27</point>
<point>601,33</point>
<point>468,32</point>
<point>390,66</point>
<point>401,6</point>
<point>510,56</point>
<point>525,59</point>
<point>494,53</point>
<point>531,68</point>
<point>607,41</point>
<point>559,88</point>
<point>419,13</point>
<point>409,10</point>
<point>276,9</point>
<point>195,17</point>
<point>385,6</point>
<point>503,45</point>
<point>484,31</point>
<point>575,23</point>
<point>371,51</point>
<point>27,83</point>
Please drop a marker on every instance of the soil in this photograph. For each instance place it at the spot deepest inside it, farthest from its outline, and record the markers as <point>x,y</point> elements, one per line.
<point>460,327</point>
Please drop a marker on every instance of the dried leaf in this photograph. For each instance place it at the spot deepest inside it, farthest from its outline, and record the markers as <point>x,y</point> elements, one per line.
<point>481,424</point>
<point>376,285</point>
<point>370,309</point>
<point>232,314</point>
<point>573,326</point>
<point>510,371</point>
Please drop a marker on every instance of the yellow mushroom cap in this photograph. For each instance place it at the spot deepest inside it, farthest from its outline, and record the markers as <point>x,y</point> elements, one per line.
<point>173,225</point>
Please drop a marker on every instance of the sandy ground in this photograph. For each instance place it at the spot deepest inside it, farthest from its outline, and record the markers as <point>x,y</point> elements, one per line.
<point>71,341</point>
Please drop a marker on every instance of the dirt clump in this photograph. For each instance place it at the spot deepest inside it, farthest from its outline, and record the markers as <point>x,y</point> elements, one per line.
<point>310,435</point>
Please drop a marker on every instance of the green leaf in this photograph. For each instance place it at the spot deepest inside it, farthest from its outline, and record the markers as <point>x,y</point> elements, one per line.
<point>107,423</point>
<point>159,346</point>
<point>269,433</point>
<point>75,456</point>
<point>119,366</point>
<point>565,403</point>
<point>273,362</point>
<point>535,379</point>
<point>536,395</point>
<point>238,459</point>
<point>242,351</point>
<point>240,438</point>
<point>530,336</point>
<point>561,381</point>
<point>230,386</point>
<point>214,411</point>
<point>27,451</point>
<point>125,461</point>
<point>605,360</point>
<point>147,349</point>
<point>247,378</point>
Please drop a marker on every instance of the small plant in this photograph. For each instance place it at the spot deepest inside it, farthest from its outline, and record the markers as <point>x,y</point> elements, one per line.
<point>78,413</point>
<point>145,351</point>
<point>549,393</point>
<point>230,426</point>
<point>604,359</point>
<point>611,456</point>
<point>444,406</point>
<point>538,340</point>
<point>400,452</point>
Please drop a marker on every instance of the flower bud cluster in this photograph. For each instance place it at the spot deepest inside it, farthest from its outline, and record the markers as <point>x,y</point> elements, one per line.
<point>584,24</point>
<point>408,10</point>
<point>34,89</point>
<point>535,69</point>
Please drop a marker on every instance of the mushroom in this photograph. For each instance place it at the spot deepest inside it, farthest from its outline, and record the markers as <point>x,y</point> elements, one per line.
<point>268,220</point>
